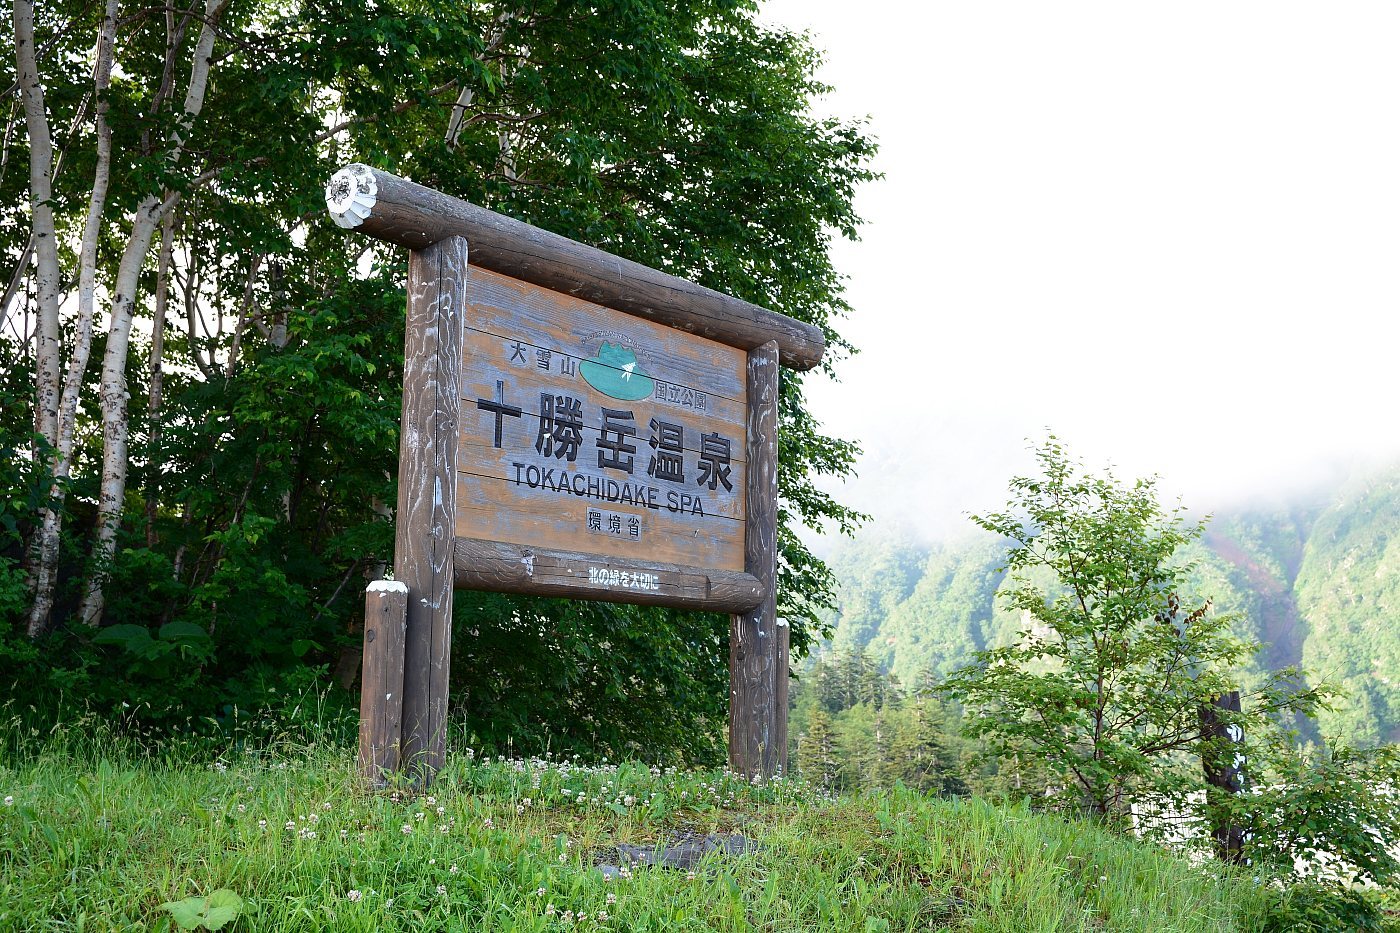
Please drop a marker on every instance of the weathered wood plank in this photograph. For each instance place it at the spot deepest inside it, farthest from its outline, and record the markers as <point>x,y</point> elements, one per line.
<point>492,509</point>
<point>391,208</point>
<point>381,680</point>
<point>512,309</point>
<point>508,568</point>
<point>428,491</point>
<point>758,651</point>
<point>567,482</point>
<point>522,389</point>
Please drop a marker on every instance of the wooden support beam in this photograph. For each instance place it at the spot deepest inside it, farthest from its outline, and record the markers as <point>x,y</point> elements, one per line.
<point>381,680</point>
<point>437,278</point>
<point>394,209</point>
<point>758,643</point>
<point>513,568</point>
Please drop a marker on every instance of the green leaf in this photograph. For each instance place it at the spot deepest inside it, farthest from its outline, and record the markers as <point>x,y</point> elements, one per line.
<point>212,913</point>
<point>134,638</point>
<point>185,633</point>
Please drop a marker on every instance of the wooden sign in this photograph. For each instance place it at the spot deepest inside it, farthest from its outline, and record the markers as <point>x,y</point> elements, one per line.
<point>589,430</point>
<point>574,424</point>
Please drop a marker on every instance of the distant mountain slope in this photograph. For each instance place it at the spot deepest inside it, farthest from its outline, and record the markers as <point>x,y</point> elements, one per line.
<point>1317,583</point>
<point>1348,592</point>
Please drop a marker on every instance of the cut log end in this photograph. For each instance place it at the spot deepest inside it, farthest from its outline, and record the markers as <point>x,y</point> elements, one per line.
<point>351,195</point>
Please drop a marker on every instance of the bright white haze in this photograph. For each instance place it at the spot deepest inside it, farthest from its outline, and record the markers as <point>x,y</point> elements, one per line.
<point>1169,231</point>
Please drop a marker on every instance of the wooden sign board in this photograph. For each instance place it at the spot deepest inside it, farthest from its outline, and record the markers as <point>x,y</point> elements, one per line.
<point>574,424</point>
<point>587,430</point>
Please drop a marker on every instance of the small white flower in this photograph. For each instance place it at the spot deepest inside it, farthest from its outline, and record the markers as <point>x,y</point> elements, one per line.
<point>441,811</point>
<point>290,825</point>
<point>432,861</point>
<point>442,828</point>
<point>690,876</point>
<point>539,892</point>
<point>419,815</point>
<point>431,800</point>
<point>9,800</point>
<point>453,869</point>
<point>242,808</point>
<point>602,915</point>
<point>611,899</point>
<point>326,805</point>
<point>352,895</point>
<point>525,802</point>
<point>262,824</point>
<point>486,822</point>
<point>549,910</point>
<point>519,808</point>
<point>406,829</point>
<point>389,903</point>
<point>563,857</point>
<point>345,834</point>
<point>442,889</point>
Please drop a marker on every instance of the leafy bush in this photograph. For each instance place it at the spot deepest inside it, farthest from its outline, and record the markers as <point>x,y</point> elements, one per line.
<point>1314,907</point>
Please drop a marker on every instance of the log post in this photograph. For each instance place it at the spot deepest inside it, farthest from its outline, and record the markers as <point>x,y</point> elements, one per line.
<point>758,644</point>
<point>437,277</point>
<point>1224,766</point>
<point>381,680</point>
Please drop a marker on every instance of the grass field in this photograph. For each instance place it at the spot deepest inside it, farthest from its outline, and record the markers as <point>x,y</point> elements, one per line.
<point>95,834</point>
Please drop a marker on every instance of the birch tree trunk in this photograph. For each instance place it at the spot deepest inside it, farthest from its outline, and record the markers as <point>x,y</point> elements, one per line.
<point>115,418</point>
<point>46,269</point>
<point>44,574</point>
<point>157,370</point>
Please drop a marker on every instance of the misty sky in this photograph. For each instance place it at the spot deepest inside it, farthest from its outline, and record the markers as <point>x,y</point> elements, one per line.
<point>1169,231</point>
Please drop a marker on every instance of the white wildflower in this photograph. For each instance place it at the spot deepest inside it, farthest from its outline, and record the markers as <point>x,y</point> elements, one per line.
<point>352,895</point>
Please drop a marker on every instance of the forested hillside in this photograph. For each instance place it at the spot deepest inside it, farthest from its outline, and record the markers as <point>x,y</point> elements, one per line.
<point>1317,582</point>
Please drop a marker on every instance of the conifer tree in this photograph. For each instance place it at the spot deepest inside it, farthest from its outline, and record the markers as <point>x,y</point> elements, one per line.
<point>816,752</point>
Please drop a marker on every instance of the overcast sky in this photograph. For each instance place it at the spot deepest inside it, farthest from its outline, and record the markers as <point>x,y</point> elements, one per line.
<point>1169,231</point>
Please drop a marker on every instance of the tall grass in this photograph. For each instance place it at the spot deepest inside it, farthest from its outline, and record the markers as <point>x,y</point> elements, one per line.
<point>100,828</point>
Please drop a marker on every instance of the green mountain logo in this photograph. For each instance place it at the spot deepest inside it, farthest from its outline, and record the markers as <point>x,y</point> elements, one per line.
<point>614,372</point>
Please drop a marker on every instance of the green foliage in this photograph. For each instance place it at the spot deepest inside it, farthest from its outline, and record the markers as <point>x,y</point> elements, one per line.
<point>1347,589</point>
<point>677,135</point>
<point>1309,580</point>
<point>1104,681</point>
<point>1312,907</point>
<point>854,728</point>
<point>1333,807</point>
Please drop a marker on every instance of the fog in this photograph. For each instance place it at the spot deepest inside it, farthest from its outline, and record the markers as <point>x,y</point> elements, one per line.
<point>1168,232</point>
